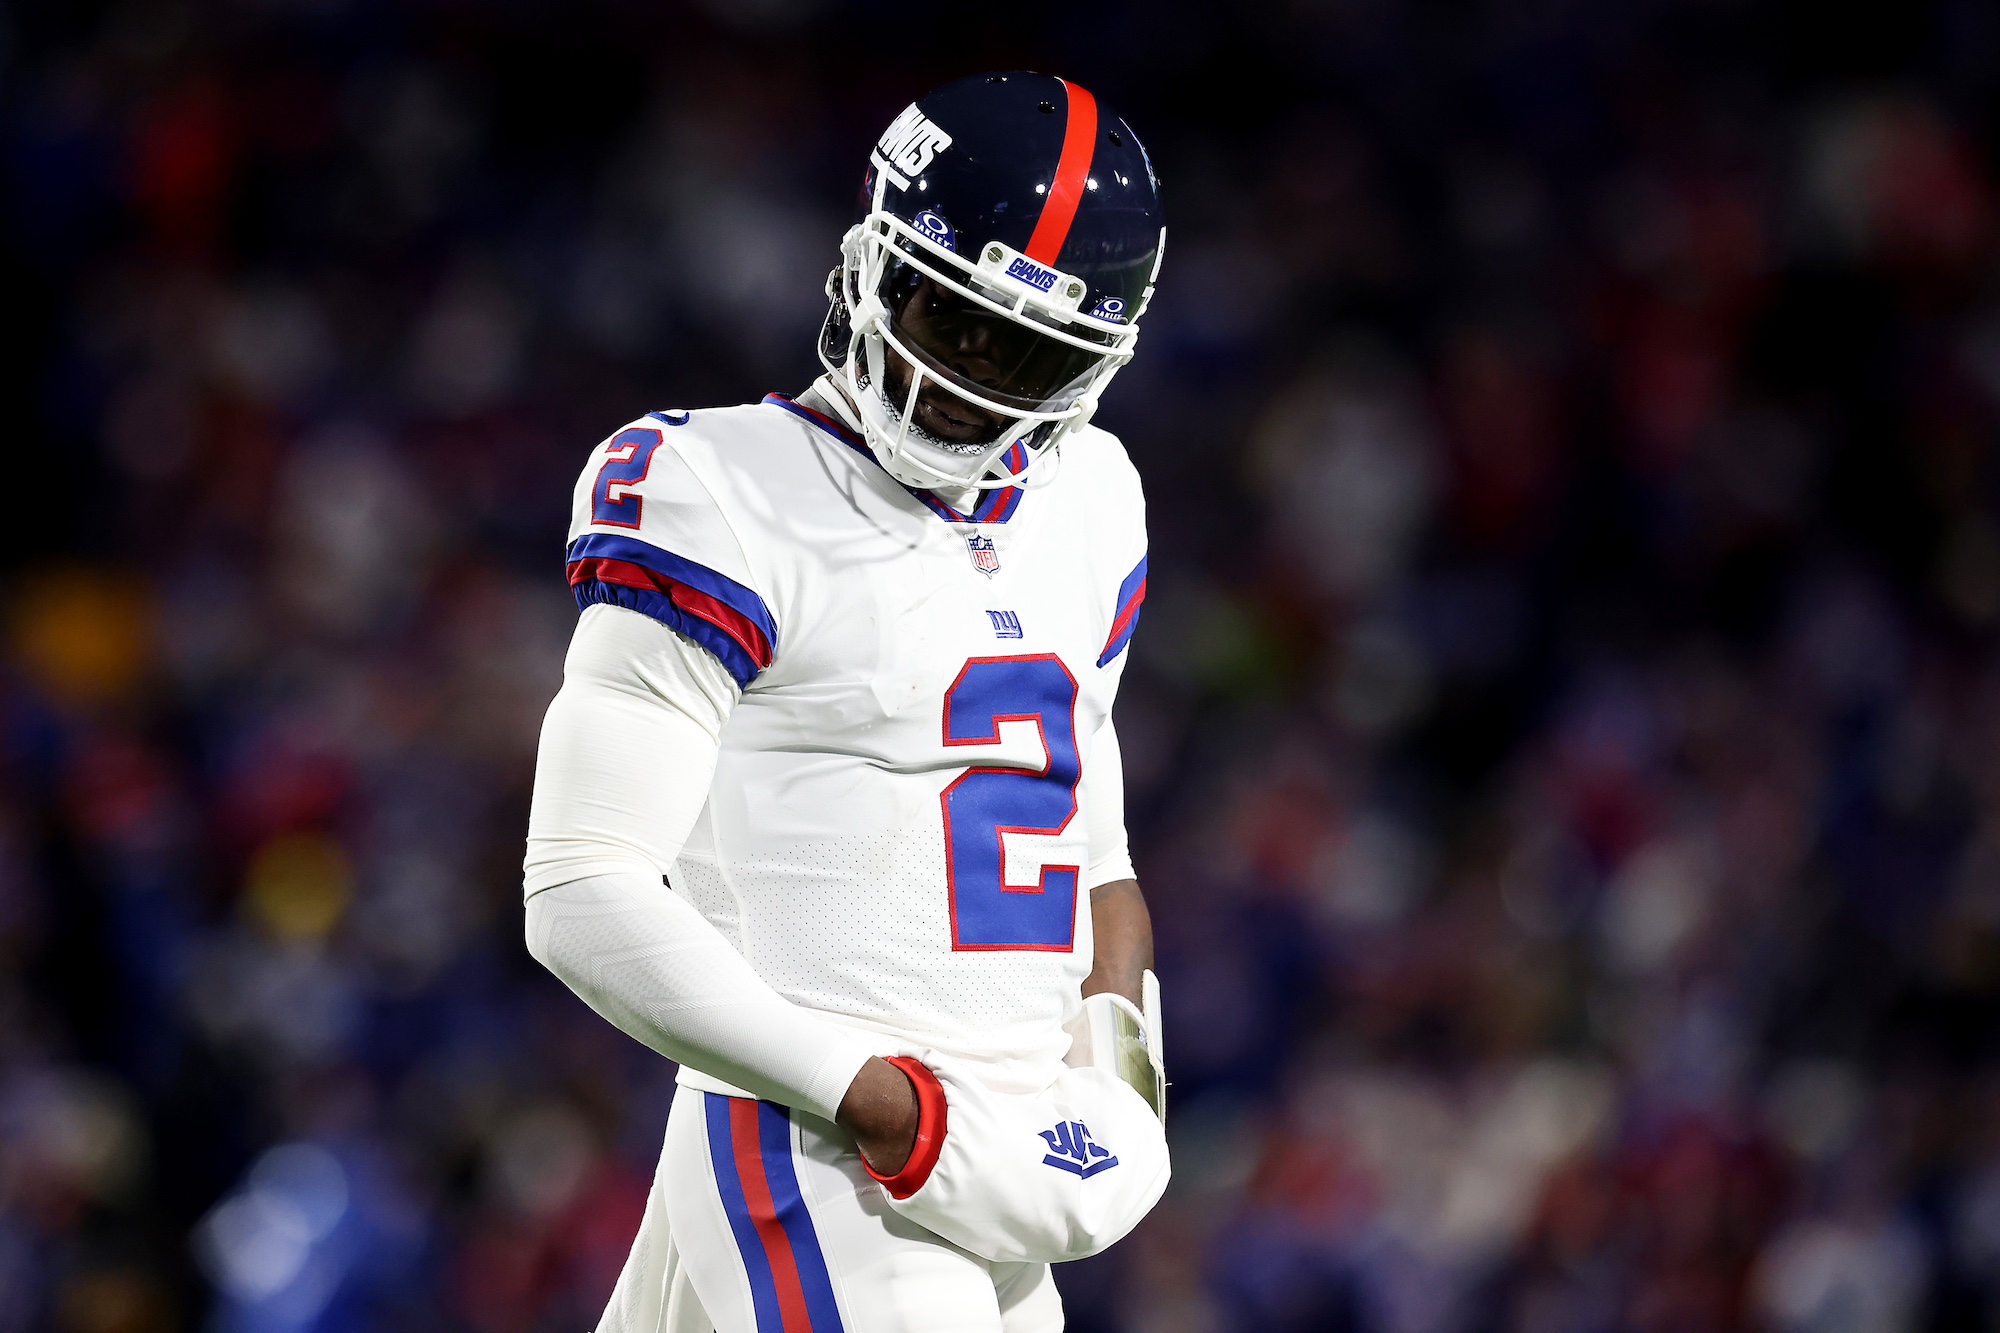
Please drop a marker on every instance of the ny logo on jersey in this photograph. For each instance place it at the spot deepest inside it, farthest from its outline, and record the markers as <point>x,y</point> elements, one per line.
<point>985,558</point>
<point>1006,624</point>
<point>911,141</point>
<point>1071,1150</point>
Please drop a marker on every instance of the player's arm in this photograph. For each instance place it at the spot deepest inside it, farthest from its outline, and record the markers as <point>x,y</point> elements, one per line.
<point>1119,1026</point>
<point>1124,932</point>
<point>627,753</point>
<point>1120,923</point>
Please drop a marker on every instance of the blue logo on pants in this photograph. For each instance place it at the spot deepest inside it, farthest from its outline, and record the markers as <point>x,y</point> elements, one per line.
<point>1071,1150</point>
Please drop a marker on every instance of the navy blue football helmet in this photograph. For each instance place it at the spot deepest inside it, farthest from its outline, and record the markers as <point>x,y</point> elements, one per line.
<point>1009,242</point>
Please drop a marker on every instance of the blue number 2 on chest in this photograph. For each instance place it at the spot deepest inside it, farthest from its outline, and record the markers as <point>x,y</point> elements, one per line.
<point>986,804</point>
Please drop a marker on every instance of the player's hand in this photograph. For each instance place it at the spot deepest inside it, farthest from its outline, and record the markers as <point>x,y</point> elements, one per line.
<point>880,1110</point>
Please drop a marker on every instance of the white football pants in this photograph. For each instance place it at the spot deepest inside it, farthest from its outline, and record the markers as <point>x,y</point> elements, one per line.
<point>762,1220</point>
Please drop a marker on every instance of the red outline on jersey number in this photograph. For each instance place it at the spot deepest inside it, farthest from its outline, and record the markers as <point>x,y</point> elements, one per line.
<point>1001,830</point>
<point>600,489</point>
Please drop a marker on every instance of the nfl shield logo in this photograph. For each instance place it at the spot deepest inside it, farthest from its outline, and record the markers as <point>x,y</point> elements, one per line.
<point>984,558</point>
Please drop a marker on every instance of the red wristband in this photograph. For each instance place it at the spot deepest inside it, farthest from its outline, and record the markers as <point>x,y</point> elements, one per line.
<point>930,1131</point>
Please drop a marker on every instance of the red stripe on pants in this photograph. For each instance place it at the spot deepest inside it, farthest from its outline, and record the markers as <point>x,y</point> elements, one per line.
<point>743,1146</point>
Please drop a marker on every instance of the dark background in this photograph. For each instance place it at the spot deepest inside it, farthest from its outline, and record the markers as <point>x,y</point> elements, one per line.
<point>1562,735</point>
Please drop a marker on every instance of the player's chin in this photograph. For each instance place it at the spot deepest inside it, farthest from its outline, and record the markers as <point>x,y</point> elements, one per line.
<point>956,422</point>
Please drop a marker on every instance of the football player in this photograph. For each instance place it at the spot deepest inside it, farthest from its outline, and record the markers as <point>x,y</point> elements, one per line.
<point>829,808</point>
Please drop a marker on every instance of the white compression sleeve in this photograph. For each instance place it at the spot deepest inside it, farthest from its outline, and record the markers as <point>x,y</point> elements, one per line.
<point>628,750</point>
<point>1102,796</point>
<point>640,955</point>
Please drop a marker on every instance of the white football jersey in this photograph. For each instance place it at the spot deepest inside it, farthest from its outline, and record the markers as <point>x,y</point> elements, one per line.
<point>918,787</point>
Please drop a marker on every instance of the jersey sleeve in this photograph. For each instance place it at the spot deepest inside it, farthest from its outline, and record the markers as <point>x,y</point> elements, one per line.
<point>627,750</point>
<point>647,535</point>
<point>1118,541</point>
<point>1102,797</point>
<point>1125,613</point>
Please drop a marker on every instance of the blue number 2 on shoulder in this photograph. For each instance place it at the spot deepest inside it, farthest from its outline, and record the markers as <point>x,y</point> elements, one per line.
<point>626,460</point>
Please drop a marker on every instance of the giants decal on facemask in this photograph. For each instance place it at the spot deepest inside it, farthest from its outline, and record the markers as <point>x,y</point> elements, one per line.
<point>1028,271</point>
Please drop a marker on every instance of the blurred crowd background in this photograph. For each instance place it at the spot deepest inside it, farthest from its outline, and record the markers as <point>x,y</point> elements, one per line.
<point>1564,735</point>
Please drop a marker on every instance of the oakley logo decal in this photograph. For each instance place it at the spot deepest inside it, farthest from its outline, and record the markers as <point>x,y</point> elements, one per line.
<point>936,228</point>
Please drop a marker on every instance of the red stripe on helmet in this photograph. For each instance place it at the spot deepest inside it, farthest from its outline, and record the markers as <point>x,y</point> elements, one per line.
<point>1072,169</point>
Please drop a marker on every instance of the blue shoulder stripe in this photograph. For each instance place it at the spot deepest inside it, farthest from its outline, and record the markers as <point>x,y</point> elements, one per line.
<point>1125,613</point>
<point>714,610</point>
<point>742,668</point>
<point>744,601</point>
